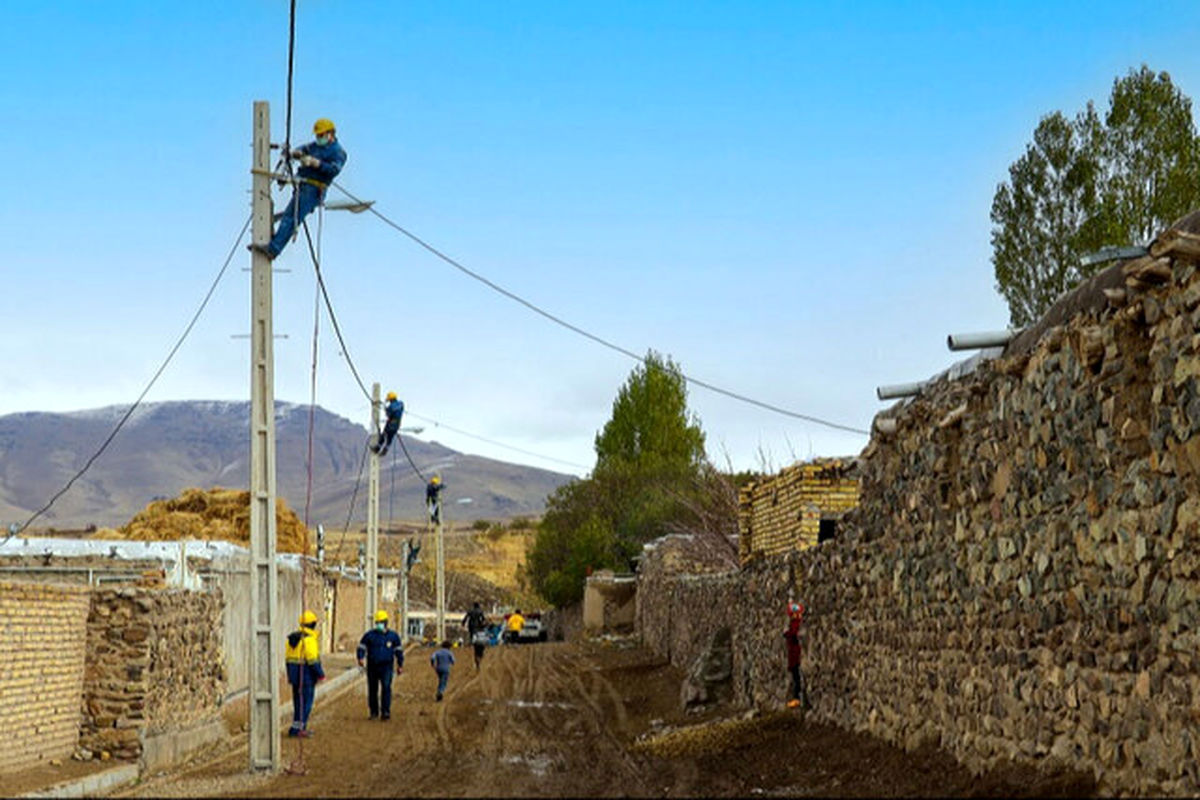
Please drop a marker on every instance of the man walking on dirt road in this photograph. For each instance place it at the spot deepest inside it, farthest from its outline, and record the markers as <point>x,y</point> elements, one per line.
<point>380,647</point>
<point>303,659</point>
<point>442,661</point>
<point>512,628</point>
<point>476,622</point>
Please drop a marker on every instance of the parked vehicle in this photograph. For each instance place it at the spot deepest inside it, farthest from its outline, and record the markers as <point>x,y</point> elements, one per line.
<point>533,630</point>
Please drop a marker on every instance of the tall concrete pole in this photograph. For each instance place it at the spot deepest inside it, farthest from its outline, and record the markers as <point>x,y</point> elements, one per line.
<point>264,644</point>
<point>404,593</point>
<point>372,570</point>
<point>441,574</point>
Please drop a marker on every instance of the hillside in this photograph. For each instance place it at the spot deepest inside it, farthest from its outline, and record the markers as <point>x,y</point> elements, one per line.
<point>171,446</point>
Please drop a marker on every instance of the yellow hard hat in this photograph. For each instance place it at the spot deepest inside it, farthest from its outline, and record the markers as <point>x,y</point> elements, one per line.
<point>323,125</point>
<point>391,396</point>
<point>381,616</point>
<point>437,478</point>
<point>308,618</point>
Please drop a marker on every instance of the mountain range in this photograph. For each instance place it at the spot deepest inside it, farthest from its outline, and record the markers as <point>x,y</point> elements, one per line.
<point>170,446</point>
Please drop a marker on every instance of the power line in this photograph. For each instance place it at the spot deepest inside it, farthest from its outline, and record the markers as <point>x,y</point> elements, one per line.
<point>337,329</point>
<point>125,418</point>
<point>587,335</point>
<point>496,443</point>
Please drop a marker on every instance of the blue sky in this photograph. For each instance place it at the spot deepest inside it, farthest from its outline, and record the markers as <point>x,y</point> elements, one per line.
<point>789,199</point>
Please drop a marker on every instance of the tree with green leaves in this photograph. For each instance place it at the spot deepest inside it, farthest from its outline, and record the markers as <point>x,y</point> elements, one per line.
<point>650,466</point>
<point>1085,183</point>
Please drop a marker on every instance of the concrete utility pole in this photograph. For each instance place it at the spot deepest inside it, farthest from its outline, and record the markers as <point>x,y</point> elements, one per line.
<point>441,573</point>
<point>372,603</point>
<point>264,645</point>
<point>404,592</point>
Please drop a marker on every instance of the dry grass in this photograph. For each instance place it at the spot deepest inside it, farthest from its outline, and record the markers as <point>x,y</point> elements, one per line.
<point>212,514</point>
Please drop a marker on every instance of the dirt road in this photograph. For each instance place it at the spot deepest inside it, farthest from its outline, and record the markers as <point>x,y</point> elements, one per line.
<point>564,719</point>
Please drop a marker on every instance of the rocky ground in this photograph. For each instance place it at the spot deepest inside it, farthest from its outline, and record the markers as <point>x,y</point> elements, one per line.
<point>584,719</point>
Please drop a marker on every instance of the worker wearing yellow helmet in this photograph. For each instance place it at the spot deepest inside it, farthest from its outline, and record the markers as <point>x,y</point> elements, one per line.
<point>394,410</point>
<point>378,648</point>
<point>303,657</point>
<point>320,162</point>
<point>433,499</point>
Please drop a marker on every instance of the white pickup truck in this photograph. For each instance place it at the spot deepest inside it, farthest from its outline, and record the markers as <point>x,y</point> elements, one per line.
<point>532,630</point>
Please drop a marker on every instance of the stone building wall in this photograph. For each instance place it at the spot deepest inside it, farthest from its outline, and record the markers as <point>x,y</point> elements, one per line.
<point>1021,579</point>
<point>784,512</point>
<point>41,671</point>
<point>155,662</point>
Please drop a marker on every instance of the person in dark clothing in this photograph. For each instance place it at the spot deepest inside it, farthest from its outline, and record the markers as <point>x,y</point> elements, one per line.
<point>303,659</point>
<point>320,162</point>
<point>792,637</point>
<point>433,499</point>
<point>476,622</point>
<point>394,410</point>
<point>379,647</point>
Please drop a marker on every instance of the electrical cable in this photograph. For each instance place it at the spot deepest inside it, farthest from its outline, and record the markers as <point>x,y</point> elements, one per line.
<point>125,418</point>
<point>354,495</point>
<point>411,463</point>
<point>337,329</point>
<point>496,443</point>
<point>576,329</point>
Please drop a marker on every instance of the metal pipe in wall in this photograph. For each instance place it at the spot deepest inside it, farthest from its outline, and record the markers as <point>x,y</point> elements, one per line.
<point>897,390</point>
<point>978,341</point>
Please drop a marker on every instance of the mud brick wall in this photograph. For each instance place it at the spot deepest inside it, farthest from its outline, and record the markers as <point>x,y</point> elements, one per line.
<point>1021,579</point>
<point>784,512</point>
<point>154,663</point>
<point>41,671</point>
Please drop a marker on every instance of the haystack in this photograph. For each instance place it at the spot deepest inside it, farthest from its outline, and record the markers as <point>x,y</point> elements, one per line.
<point>212,514</point>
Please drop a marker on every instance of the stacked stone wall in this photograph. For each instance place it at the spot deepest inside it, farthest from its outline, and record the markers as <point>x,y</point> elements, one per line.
<point>784,512</point>
<point>1021,580</point>
<point>155,663</point>
<point>41,671</point>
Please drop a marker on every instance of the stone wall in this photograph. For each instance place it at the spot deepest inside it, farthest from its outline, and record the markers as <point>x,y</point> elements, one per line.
<point>41,671</point>
<point>1021,580</point>
<point>155,662</point>
<point>784,512</point>
<point>609,602</point>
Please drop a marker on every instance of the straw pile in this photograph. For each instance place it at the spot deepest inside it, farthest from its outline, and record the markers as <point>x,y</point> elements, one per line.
<point>212,514</point>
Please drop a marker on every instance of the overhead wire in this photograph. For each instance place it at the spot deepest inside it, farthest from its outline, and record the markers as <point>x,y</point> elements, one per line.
<point>496,443</point>
<point>162,367</point>
<point>584,333</point>
<point>316,259</point>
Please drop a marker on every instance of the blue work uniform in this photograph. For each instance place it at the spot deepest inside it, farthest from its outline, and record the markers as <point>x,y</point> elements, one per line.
<point>310,192</point>
<point>394,411</point>
<point>433,500</point>
<point>379,649</point>
<point>303,657</point>
<point>442,661</point>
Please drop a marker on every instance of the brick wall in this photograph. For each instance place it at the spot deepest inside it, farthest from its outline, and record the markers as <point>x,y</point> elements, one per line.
<point>155,663</point>
<point>41,671</point>
<point>784,512</point>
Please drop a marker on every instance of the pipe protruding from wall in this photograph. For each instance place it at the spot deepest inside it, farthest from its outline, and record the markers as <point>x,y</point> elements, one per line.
<point>978,341</point>
<point>898,390</point>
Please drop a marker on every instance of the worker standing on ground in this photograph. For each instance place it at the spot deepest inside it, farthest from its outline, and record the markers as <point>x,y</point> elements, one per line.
<point>380,647</point>
<point>792,637</point>
<point>442,660</point>
<point>512,628</point>
<point>320,162</point>
<point>303,657</point>
<point>433,499</point>
<point>394,410</point>
<point>476,622</point>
